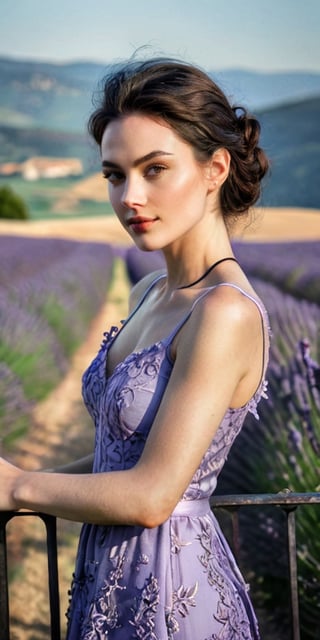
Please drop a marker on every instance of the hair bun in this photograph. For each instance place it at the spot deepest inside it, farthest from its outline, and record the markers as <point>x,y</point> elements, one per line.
<point>248,127</point>
<point>249,164</point>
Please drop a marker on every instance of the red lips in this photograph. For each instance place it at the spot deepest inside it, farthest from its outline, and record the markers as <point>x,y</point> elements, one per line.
<point>140,224</point>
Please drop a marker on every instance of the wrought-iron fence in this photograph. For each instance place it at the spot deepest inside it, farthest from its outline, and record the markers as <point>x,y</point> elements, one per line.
<point>53,581</point>
<point>288,502</point>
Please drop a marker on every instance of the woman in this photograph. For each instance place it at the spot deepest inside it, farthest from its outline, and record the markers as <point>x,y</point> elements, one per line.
<point>169,391</point>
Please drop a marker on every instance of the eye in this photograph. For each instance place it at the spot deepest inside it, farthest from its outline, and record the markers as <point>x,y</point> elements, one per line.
<point>114,177</point>
<point>154,170</point>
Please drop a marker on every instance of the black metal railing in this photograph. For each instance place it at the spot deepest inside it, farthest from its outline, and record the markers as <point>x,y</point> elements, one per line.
<point>287,500</point>
<point>53,579</point>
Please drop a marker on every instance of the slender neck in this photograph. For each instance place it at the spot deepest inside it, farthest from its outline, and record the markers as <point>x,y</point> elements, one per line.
<point>191,255</point>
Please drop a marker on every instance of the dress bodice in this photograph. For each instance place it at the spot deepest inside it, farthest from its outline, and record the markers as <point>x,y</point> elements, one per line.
<point>124,405</point>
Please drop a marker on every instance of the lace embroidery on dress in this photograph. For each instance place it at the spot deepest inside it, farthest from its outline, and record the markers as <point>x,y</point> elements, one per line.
<point>108,336</point>
<point>182,599</point>
<point>146,610</point>
<point>230,611</point>
<point>253,403</point>
<point>103,613</point>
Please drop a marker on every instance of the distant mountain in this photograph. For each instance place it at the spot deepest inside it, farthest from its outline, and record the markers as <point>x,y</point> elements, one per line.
<point>49,96</point>
<point>44,108</point>
<point>59,96</point>
<point>291,138</point>
<point>263,90</point>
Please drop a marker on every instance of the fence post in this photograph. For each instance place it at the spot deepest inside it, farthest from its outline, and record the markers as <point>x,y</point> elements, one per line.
<point>53,578</point>
<point>4,596</point>
<point>51,529</point>
<point>293,570</point>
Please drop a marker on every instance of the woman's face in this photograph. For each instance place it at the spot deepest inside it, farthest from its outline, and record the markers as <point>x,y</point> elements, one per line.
<point>157,188</point>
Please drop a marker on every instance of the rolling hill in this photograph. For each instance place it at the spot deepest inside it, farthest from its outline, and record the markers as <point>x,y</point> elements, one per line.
<point>44,108</point>
<point>59,96</point>
<point>291,138</point>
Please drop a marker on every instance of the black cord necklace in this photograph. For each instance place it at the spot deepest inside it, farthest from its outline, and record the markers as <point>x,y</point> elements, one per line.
<point>204,275</point>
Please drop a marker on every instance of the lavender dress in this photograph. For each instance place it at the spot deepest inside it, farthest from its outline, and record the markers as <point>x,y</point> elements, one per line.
<point>178,581</point>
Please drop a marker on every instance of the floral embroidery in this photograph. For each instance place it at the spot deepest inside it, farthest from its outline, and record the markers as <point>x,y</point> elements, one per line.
<point>172,624</point>
<point>182,599</point>
<point>146,610</point>
<point>103,614</point>
<point>141,560</point>
<point>230,612</point>
<point>176,543</point>
<point>130,390</point>
<point>253,403</point>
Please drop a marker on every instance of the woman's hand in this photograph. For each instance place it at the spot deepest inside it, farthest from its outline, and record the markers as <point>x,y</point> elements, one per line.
<point>9,475</point>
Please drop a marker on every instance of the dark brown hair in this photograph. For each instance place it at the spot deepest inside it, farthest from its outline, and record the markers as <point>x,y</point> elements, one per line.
<point>195,107</point>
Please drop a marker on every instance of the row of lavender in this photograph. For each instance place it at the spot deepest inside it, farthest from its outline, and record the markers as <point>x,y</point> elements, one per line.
<point>50,290</point>
<point>281,450</point>
<point>292,266</point>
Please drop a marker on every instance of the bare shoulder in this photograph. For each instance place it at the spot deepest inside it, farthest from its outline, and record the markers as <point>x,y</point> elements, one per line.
<point>220,349</point>
<point>226,319</point>
<point>228,304</point>
<point>141,287</point>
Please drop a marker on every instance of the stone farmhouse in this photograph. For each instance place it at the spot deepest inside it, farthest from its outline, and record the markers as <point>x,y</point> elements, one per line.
<point>43,167</point>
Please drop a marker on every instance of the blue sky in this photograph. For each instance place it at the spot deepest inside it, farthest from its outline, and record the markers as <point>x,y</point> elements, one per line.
<point>263,35</point>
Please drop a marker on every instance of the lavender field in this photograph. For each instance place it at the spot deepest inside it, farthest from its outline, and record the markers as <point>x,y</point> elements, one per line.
<point>282,450</point>
<point>50,290</point>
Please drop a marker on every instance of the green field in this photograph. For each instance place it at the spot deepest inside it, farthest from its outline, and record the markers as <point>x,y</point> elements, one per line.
<point>41,197</point>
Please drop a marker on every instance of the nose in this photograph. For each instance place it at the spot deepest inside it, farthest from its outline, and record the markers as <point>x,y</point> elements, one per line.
<point>134,193</point>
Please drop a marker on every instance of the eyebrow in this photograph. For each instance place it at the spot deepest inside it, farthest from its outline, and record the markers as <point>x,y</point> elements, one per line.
<point>138,161</point>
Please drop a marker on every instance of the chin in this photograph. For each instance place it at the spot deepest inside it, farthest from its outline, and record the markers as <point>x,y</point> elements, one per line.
<point>145,244</point>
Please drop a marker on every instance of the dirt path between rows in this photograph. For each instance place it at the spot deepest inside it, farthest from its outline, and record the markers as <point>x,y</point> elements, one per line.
<point>62,432</point>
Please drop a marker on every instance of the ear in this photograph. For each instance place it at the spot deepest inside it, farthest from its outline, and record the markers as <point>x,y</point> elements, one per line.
<point>218,168</point>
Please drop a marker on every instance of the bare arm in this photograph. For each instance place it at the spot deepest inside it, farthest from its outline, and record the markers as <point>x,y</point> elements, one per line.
<point>214,358</point>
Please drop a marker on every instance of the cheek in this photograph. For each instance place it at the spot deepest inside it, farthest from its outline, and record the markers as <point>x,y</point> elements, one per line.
<point>115,200</point>
<point>187,200</point>
<point>188,188</point>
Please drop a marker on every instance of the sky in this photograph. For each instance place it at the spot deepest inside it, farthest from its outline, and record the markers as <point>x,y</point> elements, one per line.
<point>262,35</point>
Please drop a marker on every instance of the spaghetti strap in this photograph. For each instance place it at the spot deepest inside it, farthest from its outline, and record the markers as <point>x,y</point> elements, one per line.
<point>263,314</point>
<point>183,320</point>
<point>168,340</point>
<point>144,296</point>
